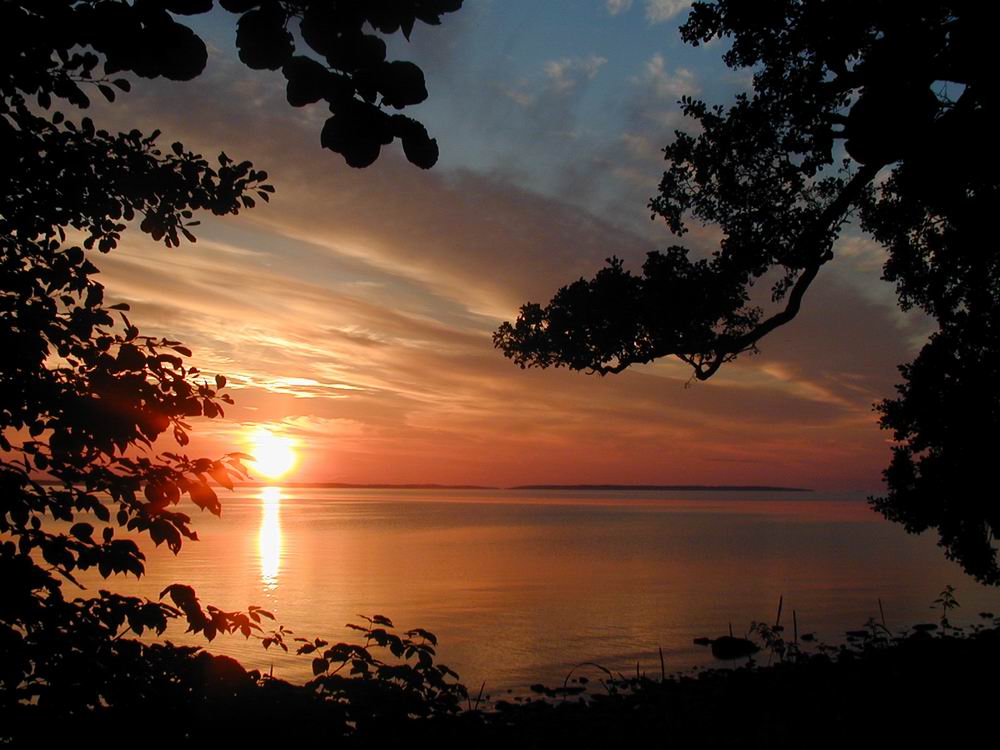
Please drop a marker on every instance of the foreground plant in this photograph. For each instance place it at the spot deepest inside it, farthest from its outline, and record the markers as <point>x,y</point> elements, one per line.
<point>84,397</point>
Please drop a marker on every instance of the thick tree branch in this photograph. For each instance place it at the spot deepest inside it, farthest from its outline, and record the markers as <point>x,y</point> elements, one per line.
<point>833,213</point>
<point>724,349</point>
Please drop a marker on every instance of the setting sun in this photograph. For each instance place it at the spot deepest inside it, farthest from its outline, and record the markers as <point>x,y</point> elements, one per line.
<point>274,455</point>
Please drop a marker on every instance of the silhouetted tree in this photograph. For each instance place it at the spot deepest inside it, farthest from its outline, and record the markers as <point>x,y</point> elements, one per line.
<point>84,396</point>
<point>876,112</point>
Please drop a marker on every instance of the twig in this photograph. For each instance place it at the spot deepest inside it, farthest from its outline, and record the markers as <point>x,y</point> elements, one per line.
<point>478,698</point>
<point>587,664</point>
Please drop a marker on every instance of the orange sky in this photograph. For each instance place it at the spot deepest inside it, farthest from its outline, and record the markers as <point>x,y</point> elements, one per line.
<point>354,313</point>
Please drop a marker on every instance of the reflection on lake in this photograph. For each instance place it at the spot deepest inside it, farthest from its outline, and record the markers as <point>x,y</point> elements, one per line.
<point>269,536</point>
<point>520,586</point>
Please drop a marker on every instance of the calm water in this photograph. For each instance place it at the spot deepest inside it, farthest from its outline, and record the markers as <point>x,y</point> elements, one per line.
<point>521,585</point>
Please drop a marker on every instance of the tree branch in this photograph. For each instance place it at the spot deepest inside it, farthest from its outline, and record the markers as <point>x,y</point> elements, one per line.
<point>831,214</point>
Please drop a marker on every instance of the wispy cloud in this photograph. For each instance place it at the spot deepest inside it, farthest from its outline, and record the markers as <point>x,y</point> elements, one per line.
<point>658,11</point>
<point>356,311</point>
<point>520,96</point>
<point>566,73</point>
<point>618,6</point>
<point>666,84</point>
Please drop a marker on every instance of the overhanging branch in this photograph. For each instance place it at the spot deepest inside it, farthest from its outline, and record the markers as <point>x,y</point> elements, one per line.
<point>834,212</point>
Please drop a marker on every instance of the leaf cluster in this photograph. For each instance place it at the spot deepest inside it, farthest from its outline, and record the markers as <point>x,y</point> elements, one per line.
<point>326,52</point>
<point>407,683</point>
<point>87,401</point>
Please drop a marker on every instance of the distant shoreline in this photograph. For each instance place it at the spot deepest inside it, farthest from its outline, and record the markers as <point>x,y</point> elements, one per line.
<point>543,487</point>
<point>350,486</point>
<point>663,487</point>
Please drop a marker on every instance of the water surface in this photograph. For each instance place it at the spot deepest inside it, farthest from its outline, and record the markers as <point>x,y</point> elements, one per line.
<point>520,586</point>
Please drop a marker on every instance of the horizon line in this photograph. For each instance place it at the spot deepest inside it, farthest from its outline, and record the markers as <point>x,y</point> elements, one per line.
<point>596,486</point>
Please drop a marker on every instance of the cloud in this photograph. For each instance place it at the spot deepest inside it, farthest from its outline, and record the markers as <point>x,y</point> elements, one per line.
<point>553,101</point>
<point>519,96</point>
<point>843,348</point>
<point>566,73</point>
<point>616,176</point>
<point>356,312</point>
<point>658,11</point>
<point>666,85</point>
<point>382,389</point>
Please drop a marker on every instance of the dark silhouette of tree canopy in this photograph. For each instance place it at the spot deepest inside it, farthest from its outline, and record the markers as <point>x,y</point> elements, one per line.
<point>876,112</point>
<point>83,395</point>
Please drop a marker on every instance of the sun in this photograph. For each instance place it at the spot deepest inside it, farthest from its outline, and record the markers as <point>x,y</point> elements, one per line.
<point>274,455</point>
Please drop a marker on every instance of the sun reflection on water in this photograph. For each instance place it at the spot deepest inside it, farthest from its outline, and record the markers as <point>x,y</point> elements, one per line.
<point>269,537</point>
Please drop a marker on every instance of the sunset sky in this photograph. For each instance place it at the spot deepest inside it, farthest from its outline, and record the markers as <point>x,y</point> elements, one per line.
<point>354,313</point>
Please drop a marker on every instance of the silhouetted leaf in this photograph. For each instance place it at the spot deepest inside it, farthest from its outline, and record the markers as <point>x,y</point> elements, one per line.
<point>205,498</point>
<point>401,84</point>
<point>188,7</point>
<point>419,148</point>
<point>220,475</point>
<point>262,40</point>
<point>355,142</point>
<point>308,81</point>
<point>82,531</point>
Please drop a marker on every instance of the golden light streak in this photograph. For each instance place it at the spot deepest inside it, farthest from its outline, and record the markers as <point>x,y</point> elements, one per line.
<point>269,537</point>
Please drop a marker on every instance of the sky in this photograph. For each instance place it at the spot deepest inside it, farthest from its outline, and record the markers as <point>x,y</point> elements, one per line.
<point>354,313</point>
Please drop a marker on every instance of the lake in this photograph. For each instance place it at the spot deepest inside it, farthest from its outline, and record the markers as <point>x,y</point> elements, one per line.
<point>522,585</point>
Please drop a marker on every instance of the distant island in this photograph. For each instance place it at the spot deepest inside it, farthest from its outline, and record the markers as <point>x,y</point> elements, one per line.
<point>592,487</point>
<point>663,487</point>
<point>351,486</point>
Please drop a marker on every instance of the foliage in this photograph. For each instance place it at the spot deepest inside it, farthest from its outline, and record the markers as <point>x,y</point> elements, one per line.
<point>84,397</point>
<point>66,48</point>
<point>946,602</point>
<point>374,689</point>
<point>869,112</point>
<point>394,687</point>
<point>872,687</point>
